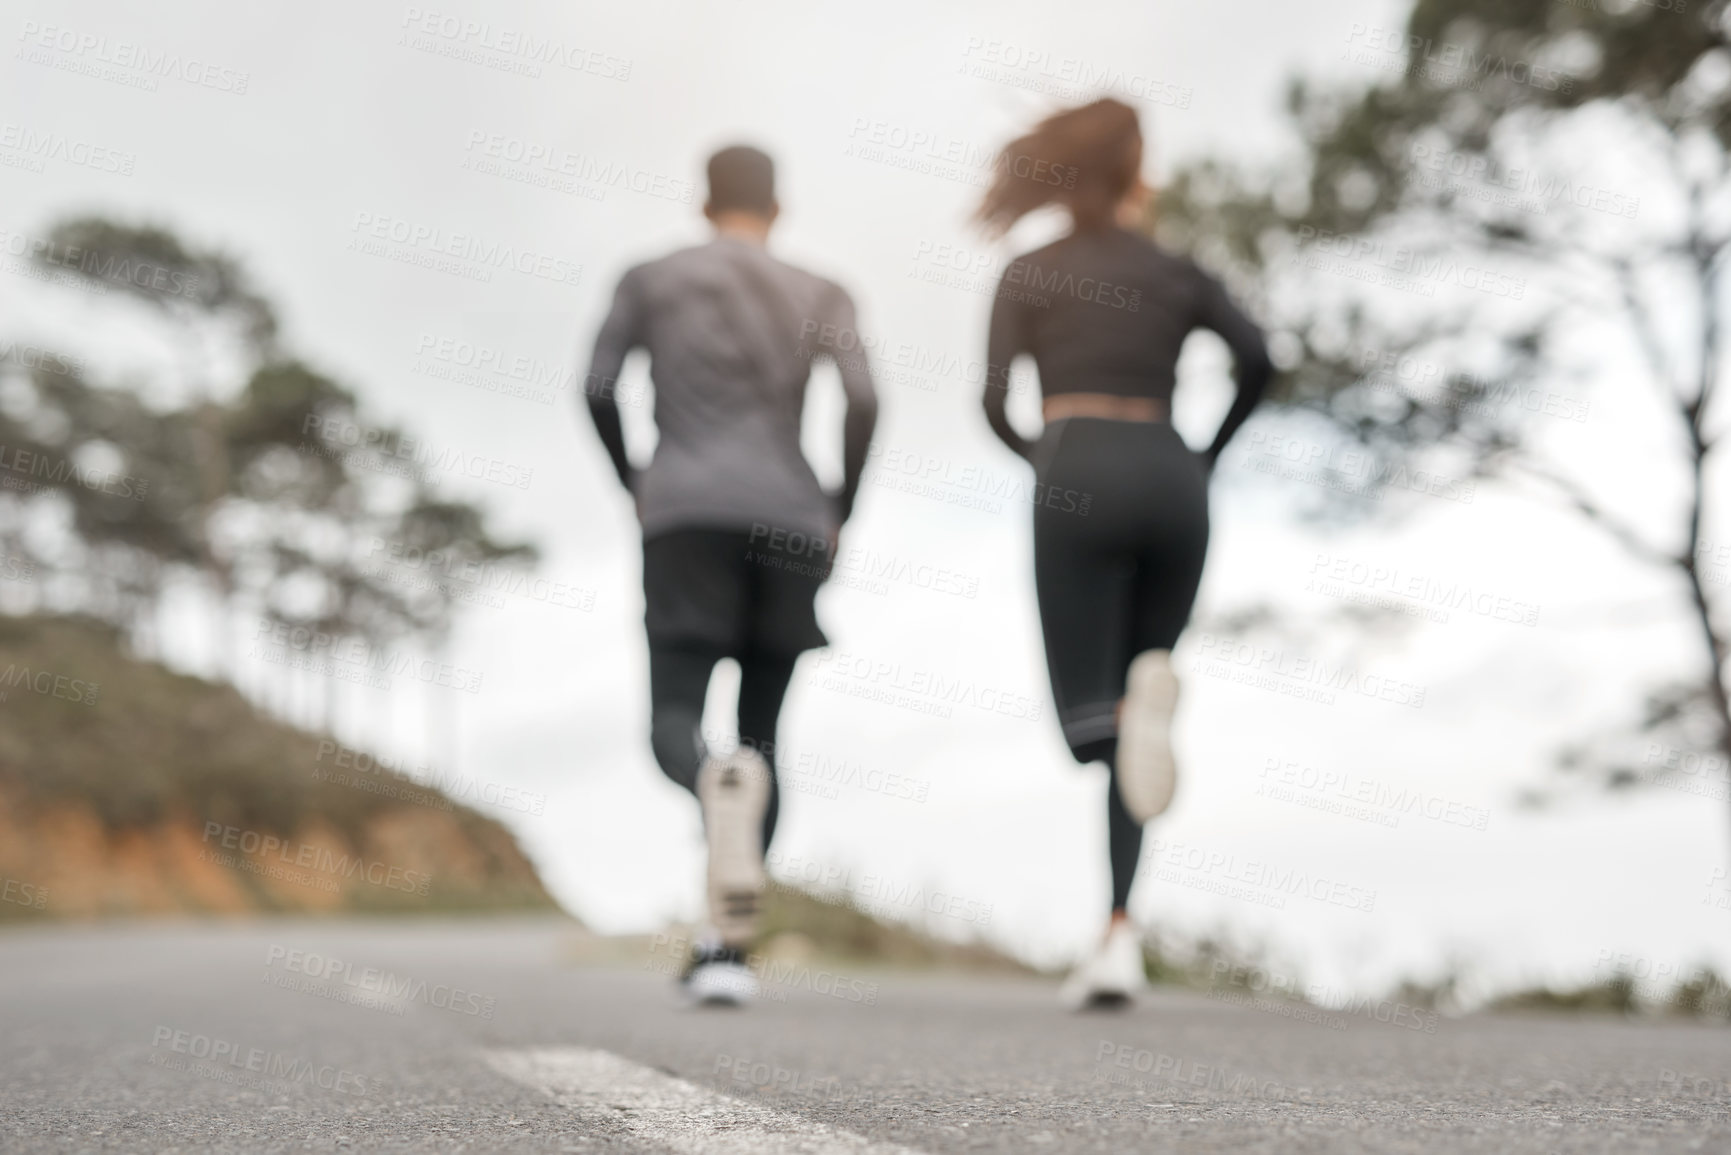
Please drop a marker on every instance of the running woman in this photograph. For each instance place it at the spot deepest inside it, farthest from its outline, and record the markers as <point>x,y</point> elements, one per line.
<point>1104,312</point>
<point>737,533</point>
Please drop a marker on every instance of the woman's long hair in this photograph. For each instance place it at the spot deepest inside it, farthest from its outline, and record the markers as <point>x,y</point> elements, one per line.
<point>1083,158</point>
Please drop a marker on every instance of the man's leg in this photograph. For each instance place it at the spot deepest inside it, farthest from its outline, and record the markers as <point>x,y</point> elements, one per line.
<point>678,685</point>
<point>763,680</point>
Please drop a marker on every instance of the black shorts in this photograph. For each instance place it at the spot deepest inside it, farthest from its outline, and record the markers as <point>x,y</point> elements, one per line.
<point>730,593</point>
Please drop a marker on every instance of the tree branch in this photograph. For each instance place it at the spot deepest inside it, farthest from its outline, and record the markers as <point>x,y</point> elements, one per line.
<point>1582,503</point>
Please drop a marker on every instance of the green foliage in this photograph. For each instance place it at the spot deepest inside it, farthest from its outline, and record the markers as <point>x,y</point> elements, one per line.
<point>241,493</point>
<point>156,267</point>
<point>1462,146</point>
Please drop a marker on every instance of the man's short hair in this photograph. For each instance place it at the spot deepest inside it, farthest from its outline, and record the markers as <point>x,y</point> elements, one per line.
<point>742,177</point>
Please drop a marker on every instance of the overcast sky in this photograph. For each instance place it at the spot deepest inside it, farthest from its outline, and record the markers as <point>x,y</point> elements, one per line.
<point>312,141</point>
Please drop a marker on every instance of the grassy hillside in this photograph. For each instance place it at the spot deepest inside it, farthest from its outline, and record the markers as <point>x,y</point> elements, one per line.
<point>126,788</point>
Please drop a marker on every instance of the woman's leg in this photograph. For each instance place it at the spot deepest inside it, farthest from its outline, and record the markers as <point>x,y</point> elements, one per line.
<point>1123,843</point>
<point>1168,571</point>
<point>1086,607</point>
<point>1114,584</point>
<point>763,680</point>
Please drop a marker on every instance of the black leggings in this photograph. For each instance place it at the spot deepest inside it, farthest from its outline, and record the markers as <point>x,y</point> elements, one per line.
<point>1120,532</point>
<point>678,684</point>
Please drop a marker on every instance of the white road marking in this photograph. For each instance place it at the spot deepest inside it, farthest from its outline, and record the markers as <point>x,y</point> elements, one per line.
<point>600,1087</point>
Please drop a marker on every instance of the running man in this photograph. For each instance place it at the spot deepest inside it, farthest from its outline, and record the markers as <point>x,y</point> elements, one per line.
<point>1104,313</point>
<point>737,533</point>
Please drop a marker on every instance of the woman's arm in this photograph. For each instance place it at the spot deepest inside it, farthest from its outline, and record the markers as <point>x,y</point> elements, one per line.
<point>1251,366</point>
<point>1006,337</point>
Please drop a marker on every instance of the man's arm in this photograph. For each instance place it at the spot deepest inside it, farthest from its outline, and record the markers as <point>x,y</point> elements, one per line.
<point>862,402</point>
<point>1251,366</point>
<point>619,334</point>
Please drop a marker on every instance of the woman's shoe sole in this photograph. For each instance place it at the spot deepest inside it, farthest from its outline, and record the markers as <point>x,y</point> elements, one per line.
<point>1146,771</point>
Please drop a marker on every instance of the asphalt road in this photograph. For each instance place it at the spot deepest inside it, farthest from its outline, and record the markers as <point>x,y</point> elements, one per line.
<point>516,1036</point>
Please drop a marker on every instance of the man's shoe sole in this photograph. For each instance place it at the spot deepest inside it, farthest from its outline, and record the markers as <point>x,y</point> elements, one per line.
<point>734,792</point>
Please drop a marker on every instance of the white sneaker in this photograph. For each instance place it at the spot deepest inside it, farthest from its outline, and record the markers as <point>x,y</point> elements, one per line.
<point>1146,771</point>
<point>734,792</point>
<point>1111,977</point>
